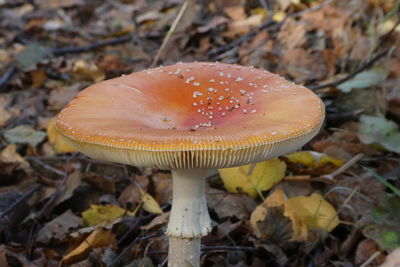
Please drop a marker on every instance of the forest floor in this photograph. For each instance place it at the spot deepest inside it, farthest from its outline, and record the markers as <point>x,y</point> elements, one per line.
<point>339,196</point>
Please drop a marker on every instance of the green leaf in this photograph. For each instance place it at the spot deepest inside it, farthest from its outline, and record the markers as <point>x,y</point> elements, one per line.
<point>385,228</point>
<point>364,79</point>
<point>377,130</point>
<point>32,55</point>
<point>24,134</point>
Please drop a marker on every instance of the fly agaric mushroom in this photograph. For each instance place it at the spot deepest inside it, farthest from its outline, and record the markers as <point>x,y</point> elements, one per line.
<point>191,118</point>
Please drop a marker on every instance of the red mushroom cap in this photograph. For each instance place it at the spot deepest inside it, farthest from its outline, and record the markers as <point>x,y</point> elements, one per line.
<point>192,115</point>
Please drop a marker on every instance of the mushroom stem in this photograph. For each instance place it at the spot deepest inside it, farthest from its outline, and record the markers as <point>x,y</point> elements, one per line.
<point>189,219</point>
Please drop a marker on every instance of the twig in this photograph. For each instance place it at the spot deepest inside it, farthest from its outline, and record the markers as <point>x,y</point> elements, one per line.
<point>137,239</point>
<point>20,200</point>
<point>47,207</point>
<point>5,78</point>
<point>169,33</point>
<point>46,166</point>
<point>86,48</point>
<point>214,52</point>
<point>361,68</point>
<point>230,248</point>
<point>371,259</point>
<point>344,167</point>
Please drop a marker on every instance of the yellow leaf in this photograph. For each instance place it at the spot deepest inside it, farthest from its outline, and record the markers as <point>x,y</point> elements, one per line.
<point>313,159</point>
<point>302,157</point>
<point>325,159</point>
<point>88,71</point>
<point>253,179</point>
<point>278,16</point>
<point>315,211</point>
<point>299,231</point>
<point>103,213</point>
<point>57,140</point>
<point>98,238</point>
<point>150,204</point>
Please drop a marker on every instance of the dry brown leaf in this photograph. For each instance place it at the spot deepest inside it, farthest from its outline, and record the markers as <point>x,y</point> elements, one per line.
<point>61,96</point>
<point>261,224</point>
<point>59,227</point>
<point>72,183</point>
<point>230,205</point>
<point>393,259</point>
<point>10,155</point>
<point>38,77</point>
<point>4,117</point>
<point>157,222</point>
<point>98,238</point>
<point>292,34</point>
<point>88,71</point>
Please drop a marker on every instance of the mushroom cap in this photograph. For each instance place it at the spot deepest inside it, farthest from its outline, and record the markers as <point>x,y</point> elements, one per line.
<point>190,116</point>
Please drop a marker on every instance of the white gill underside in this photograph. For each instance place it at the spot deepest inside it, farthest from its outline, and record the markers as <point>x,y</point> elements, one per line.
<point>191,159</point>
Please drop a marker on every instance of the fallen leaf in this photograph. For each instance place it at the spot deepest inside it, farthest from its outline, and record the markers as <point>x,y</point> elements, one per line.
<point>97,214</point>
<point>32,55</point>
<point>101,182</point>
<point>38,77</point>
<point>61,96</point>
<point>57,140</point>
<point>365,249</point>
<point>98,238</point>
<point>276,219</point>
<point>24,134</point>
<point>292,34</point>
<point>364,79</point>
<point>378,130</point>
<point>230,205</point>
<point>10,155</point>
<point>253,179</point>
<point>59,227</point>
<point>311,162</point>
<point>157,222</point>
<point>150,204</point>
<point>384,228</point>
<point>162,188</point>
<point>88,71</point>
<point>393,259</point>
<point>74,180</point>
<point>130,197</point>
<point>4,117</point>
<point>315,212</point>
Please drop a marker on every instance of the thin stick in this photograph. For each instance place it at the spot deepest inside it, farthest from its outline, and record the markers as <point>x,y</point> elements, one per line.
<point>363,67</point>
<point>86,48</point>
<point>371,259</point>
<point>5,78</point>
<point>343,168</point>
<point>20,200</point>
<point>46,166</point>
<point>169,33</point>
<point>137,239</point>
<point>229,248</point>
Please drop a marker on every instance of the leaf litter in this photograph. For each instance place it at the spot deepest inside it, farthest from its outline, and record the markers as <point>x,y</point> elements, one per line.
<point>282,211</point>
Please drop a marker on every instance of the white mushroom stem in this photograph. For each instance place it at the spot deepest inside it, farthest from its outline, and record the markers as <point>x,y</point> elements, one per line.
<point>189,219</point>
